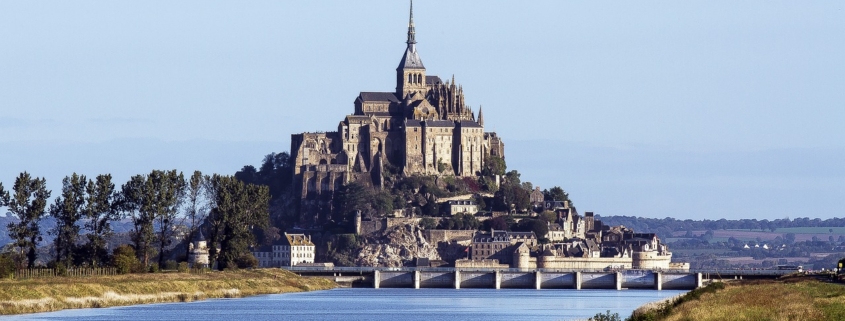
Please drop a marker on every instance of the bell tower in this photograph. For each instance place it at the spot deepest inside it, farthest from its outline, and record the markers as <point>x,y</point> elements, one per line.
<point>410,75</point>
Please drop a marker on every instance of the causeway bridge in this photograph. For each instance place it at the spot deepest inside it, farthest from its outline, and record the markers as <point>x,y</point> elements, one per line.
<point>489,278</point>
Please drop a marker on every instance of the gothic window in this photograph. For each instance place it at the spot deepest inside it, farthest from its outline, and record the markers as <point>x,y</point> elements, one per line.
<point>410,78</point>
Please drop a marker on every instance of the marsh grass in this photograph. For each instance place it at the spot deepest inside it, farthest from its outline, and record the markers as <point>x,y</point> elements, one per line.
<point>57,293</point>
<point>789,299</point>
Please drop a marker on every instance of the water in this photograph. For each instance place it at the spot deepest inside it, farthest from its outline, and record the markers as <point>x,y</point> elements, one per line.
<point>383,304</point>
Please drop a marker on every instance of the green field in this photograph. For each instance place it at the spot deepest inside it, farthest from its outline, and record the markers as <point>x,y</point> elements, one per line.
<point>811,230</point>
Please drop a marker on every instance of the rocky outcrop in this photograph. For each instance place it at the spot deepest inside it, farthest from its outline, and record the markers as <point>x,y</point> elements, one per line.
<point>397,247</point>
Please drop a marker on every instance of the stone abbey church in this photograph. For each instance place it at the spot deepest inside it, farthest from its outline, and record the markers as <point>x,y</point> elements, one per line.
<point>422,128</point>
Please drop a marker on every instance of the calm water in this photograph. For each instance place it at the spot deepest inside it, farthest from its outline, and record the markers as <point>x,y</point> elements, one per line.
<point>384,304</point>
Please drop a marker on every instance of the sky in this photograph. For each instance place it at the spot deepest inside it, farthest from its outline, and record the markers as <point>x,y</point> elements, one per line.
<point>716,109</point>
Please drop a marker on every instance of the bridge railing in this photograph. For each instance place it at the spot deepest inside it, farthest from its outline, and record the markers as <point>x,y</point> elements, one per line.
<point>365,269</point>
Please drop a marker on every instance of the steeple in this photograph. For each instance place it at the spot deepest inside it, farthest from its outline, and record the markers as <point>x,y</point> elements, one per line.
<point>411,33</point>
<point>480,117</point>
<point>410,75</point>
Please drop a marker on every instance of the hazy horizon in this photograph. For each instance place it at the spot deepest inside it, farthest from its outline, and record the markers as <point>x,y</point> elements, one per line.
<point>656,109</point>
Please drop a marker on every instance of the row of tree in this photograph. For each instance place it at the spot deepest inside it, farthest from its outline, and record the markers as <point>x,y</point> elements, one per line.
<point>159,204</point>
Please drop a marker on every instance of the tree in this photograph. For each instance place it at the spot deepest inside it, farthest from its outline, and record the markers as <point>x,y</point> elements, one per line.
<point>100,211</point>
<point>539,227</point>
<point>169,191</point>
<point>196,209</point>
<point>134,202</point>
<point>68,209</point>
<point>556,194</point>
<point>29,205</point>
<point>239,208</point>
<point>152,200</point>
<point>351,198</point>
<point>125,259</point>
<point>428,223</point>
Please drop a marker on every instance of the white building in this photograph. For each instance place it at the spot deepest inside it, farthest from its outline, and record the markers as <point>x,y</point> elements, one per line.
<point>291,250</point>
<point>198,251</point>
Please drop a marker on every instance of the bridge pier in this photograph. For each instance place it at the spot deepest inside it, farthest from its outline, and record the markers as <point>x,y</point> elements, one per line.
<point>658,281</point>
<point>538,280</point>
<point>376,279</point>
<point>618,281</point>
<point>498,279</point>
<point>698,282</point>
<point>577,284</point>
<point>457,279</point>
<point>416,279</point>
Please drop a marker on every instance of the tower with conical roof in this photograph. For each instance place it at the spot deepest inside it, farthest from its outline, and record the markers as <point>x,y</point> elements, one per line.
<point>410,75</point>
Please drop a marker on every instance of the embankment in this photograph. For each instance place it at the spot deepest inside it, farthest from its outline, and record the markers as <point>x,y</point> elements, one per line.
<point>795,298</point>
<point>57,293</point>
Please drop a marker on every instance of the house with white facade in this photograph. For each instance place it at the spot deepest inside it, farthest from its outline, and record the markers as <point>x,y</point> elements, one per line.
<point>290,250</point>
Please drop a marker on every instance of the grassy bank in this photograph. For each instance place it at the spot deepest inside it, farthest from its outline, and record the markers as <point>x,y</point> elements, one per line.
<point>800,298</point>
<point>51,294</point>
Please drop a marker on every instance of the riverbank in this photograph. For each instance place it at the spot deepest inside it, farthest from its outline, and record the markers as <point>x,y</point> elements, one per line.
<point>58,293</point>
<point>795,298</point>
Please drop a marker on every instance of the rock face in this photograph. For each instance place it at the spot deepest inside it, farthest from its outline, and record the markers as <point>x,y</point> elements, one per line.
<point>396,248</point>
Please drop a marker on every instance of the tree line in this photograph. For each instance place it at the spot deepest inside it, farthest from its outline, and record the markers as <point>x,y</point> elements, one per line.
<point>160,204</point>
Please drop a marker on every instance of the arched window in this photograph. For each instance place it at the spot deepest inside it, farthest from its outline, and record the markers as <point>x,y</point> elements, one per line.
<point>410,78</point>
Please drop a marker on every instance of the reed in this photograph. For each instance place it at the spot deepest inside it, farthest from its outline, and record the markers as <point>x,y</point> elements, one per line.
<point>57,293</point>
<point>789,299</point>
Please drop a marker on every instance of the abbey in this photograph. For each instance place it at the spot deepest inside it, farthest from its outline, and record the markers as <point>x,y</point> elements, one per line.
<point>422,128</point>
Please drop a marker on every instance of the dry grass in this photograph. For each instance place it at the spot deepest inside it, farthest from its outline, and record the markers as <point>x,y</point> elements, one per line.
<point>51,294</point>
<point>791,299</point>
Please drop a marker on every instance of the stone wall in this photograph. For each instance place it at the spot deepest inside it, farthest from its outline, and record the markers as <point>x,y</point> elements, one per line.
<point>435,236</point>
<point>484,264</point>
<point>595,263</point>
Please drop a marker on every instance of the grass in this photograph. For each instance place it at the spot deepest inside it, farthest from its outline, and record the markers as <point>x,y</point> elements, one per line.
<point>789,299</point>
<point>811,230</point>
<point>52,294</point>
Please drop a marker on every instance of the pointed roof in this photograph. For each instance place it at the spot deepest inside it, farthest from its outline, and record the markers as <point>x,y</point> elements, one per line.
<point>480,116</point>
<point>411,60</point>
<point>199,237</point>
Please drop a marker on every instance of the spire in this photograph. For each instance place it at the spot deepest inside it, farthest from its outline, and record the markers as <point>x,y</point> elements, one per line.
<point>411,33</point>
<point>411,59</point>
<point>480,116</point>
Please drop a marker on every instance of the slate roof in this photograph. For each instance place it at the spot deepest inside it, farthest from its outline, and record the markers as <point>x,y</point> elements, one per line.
<point>431,80</point>
<point>378,96</point>
<point>439,123</point>
<point>412,123</point>
<point>469,124</point>
<point>411,60</point>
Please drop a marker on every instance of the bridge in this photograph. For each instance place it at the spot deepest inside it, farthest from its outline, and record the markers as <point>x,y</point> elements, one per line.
<point>457,278</point>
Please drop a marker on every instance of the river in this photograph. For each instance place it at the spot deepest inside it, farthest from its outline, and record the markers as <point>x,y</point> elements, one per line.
<point>383,304</point>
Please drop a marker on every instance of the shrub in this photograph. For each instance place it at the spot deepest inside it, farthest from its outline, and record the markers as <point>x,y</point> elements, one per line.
<point>154,268</point>
<point>171,265</point>
<point>125,261</point>
<point>7,266</point>
<point>246,261</point>
<point>605,316</point>
<point>183,267</point>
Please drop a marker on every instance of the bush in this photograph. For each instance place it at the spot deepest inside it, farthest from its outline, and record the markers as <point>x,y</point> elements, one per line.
<point>183,267</point>
<point>171,265</point>
<point>246,261</point>
<point>7,266</point>
<point>154,268</point>
<point>125,261</point>
<point>605,316</point>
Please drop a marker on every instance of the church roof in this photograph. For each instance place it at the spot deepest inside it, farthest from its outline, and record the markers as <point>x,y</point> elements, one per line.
<point>410,60</point>
<point>431,80</point>
<point>439,123</point>
<point>469,124</point>
<point>412,123</point>
<point>378,96</point>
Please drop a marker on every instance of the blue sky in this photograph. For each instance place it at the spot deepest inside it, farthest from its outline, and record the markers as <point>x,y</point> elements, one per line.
<point>691,110</point>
